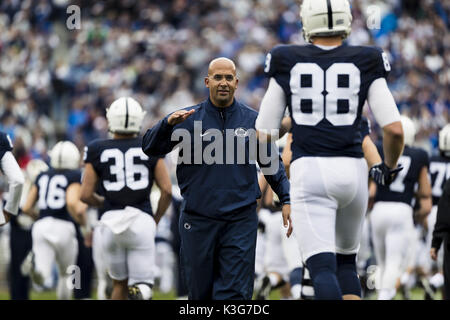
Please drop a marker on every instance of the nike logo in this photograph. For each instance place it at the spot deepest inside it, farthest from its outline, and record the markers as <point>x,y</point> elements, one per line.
<point>204,133</point>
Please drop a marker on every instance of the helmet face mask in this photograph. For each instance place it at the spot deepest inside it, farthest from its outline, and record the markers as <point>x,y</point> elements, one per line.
<point>409,130</point>
<point>325,18</point>
<point>125,116</point>
<point>65,155</point>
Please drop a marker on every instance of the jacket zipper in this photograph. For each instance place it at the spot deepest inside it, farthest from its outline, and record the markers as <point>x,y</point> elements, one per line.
<point>223,120</point>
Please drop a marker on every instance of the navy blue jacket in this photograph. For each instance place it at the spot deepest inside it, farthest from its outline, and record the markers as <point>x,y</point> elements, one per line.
<point>217,190</point>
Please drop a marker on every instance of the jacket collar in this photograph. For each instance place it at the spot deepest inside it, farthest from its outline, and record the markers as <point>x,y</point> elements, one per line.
<point>231,108</point>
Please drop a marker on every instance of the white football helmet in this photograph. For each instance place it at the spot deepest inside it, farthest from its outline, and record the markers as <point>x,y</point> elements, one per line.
<point>65,155</point>
<point>444,138</point>
<point>125,115</point>
<point>34,167</point>
<point>325,18</point>
<point>409,130</point>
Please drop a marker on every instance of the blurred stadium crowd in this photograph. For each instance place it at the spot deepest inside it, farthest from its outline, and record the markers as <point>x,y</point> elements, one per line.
<point>55,83</point>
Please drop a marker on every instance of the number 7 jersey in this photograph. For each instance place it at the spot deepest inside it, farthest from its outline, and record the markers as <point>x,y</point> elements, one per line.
<point>325,92</point>
<point>125,172</point>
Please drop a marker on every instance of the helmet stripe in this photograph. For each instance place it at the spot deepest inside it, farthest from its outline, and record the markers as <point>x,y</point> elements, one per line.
<point>126,114</point>
<point>330,15</point>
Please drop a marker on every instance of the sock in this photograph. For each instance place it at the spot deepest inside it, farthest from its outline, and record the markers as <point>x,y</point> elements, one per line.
<point>437,280</point>
<point>347,275</point>
<point>296,291</point>
<point>146,291</point>
<point>322,268</point>
<point>404,279</point>
<point>274,280</point>
<point>386,294</point>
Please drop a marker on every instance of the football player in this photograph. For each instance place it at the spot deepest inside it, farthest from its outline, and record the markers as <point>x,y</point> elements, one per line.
<point>372,156</point>
<point>20,235</point>
<point>440,172</point>
<point>10,168</point>
<point>125,177</point>
<point>54,234</point>
<point>394,237</point>
<point>325,85</point>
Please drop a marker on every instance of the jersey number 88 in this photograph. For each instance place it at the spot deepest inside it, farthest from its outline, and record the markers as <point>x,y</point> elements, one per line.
<point>322,92</point>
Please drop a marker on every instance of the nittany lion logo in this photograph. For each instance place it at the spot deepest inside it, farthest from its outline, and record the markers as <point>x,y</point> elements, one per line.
<point>241,132</point>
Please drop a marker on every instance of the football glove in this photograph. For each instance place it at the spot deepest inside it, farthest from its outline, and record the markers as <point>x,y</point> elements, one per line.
<point>383,175</point>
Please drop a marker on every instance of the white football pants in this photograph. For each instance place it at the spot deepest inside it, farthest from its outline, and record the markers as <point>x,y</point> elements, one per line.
<point>128,245</point>
<point>393,238</point>
<point>328,201</point>
<point>55,240</point>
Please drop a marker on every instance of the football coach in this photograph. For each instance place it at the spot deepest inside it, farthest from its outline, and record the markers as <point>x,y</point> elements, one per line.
<point>218,178</point>
<point>441,234</point>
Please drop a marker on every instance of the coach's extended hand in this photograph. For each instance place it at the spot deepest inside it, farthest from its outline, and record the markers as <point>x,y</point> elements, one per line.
<point>383,175</point>
<point>287,222</point>
<point>179,116</point>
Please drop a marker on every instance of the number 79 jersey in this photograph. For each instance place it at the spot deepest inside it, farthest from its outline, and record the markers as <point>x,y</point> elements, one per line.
<point>125,172</point>
<point>325,92</point>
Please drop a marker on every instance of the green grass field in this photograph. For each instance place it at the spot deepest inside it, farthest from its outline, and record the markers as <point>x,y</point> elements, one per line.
<point>416,294</point>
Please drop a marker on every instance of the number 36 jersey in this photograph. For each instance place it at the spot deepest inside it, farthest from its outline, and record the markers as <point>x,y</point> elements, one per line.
<point>125,172</point>
<point>325,92</point>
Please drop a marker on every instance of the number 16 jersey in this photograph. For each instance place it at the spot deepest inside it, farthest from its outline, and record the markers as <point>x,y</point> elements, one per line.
<point>325,92</point>
<point>125,173</point>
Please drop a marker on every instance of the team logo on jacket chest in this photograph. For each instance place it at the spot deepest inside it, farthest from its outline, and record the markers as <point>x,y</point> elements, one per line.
<point>219,145</point>
<point>241,132</point>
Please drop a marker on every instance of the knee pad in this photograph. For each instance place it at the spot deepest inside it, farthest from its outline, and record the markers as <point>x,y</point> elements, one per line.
<point>322,268</point>
<point>347,275</point>
<point>140,291</point>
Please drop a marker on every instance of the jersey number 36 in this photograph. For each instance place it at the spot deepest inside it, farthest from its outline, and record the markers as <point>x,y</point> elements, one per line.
<point>125,169</point>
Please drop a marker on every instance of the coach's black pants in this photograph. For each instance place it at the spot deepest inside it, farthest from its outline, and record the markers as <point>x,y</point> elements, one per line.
<point>218,256</point>
<point>20,244</point>
<point>86,264</point>
<point>446,249</point>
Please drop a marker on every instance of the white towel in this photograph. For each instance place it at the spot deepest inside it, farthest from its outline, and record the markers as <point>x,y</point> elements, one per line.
<point>120,220</point>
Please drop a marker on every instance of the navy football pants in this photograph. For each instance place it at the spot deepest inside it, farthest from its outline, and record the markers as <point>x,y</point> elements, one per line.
<point>218,257</point>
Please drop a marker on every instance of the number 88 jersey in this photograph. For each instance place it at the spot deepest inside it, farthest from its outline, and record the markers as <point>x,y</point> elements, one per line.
<point>125,172</point>
<point>325,92</point>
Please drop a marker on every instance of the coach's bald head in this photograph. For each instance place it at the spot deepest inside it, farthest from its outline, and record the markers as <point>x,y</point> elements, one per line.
<point>221,81</point>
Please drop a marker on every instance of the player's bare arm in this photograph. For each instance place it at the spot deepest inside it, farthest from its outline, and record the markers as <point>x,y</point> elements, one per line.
<point>88,187</point>
<point>393,143</point>
<point>424,195</point>
<point>28,207</point>
<point>370,152</point>
<point>162,180</point>
<point>77,208</point>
